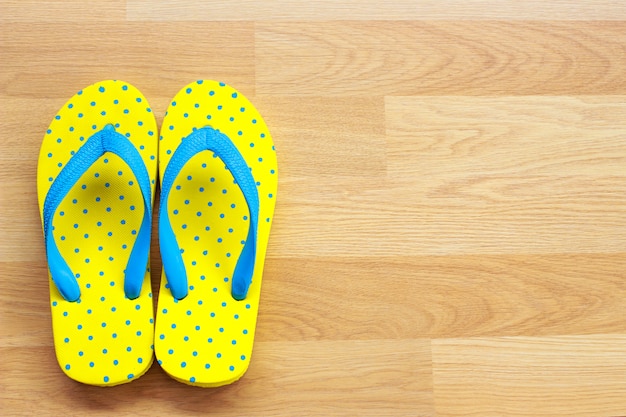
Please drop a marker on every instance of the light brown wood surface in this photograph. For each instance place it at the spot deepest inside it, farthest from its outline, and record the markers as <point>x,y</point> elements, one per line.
<point>450,234</point>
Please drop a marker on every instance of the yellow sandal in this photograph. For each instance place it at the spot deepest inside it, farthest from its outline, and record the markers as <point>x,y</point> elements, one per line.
<point>218,191</point>
<point>96,179</point>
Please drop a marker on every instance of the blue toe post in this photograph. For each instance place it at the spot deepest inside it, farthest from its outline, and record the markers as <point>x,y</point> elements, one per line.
<point>101,142</point>
<point>208,139</point>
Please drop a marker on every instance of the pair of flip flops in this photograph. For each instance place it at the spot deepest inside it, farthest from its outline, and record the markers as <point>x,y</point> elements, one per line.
<point>96,181</point>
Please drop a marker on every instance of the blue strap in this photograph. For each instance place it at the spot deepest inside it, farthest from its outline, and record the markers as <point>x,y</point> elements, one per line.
<point>106,140</point>
<point>208,139</point>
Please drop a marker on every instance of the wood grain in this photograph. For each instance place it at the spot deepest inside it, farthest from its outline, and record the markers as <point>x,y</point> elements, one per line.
<point>154,57</point>
<point>531,376</point>
<point>313,378</point>
<point>440,58</point>
<point>450,229</point>
<point>324,10</point>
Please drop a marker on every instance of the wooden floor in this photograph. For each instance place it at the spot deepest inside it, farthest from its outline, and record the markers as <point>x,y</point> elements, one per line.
<point>450,234</point>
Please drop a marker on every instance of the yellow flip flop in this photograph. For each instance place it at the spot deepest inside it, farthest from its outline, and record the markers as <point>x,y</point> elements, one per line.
<point>95,181</point>
<point>218,191</point>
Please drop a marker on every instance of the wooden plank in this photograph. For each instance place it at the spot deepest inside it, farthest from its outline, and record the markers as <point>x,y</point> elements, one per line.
<point>339,298</point>
<point>507,175</point>
<point>344,137</point>
<point>309,299</point>
<point>186,10</point>
<point>285,379</point>
<point>12,11</point>
<point>440,58</point>
<point>564,375</point>
<point>158,58</point>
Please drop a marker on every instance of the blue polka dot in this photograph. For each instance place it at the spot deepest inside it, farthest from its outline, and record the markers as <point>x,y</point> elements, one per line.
<point>234,95</point>
<point>57,117</point>
<point>91,364</point>
<point>67,367</point>
<point>207,366</point>
<point>128,349</point>
<point>114,335</point>
<point>124,87</point>
<point>173,325</point>
<point>231,367</point>
<point>243,357</point>
<point>140,360</point>
<point>219,355</point>
<point>66,340</point>
<point>115,362</point>
<point>131,376</point>
<point>192,379</point>
<point>105,351</point>
<point>81,353</point>
<point>101,89</point>
<point>171,351</point>
<point>106,379</point>
<point>162,337</point>
<point>186,338</point>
